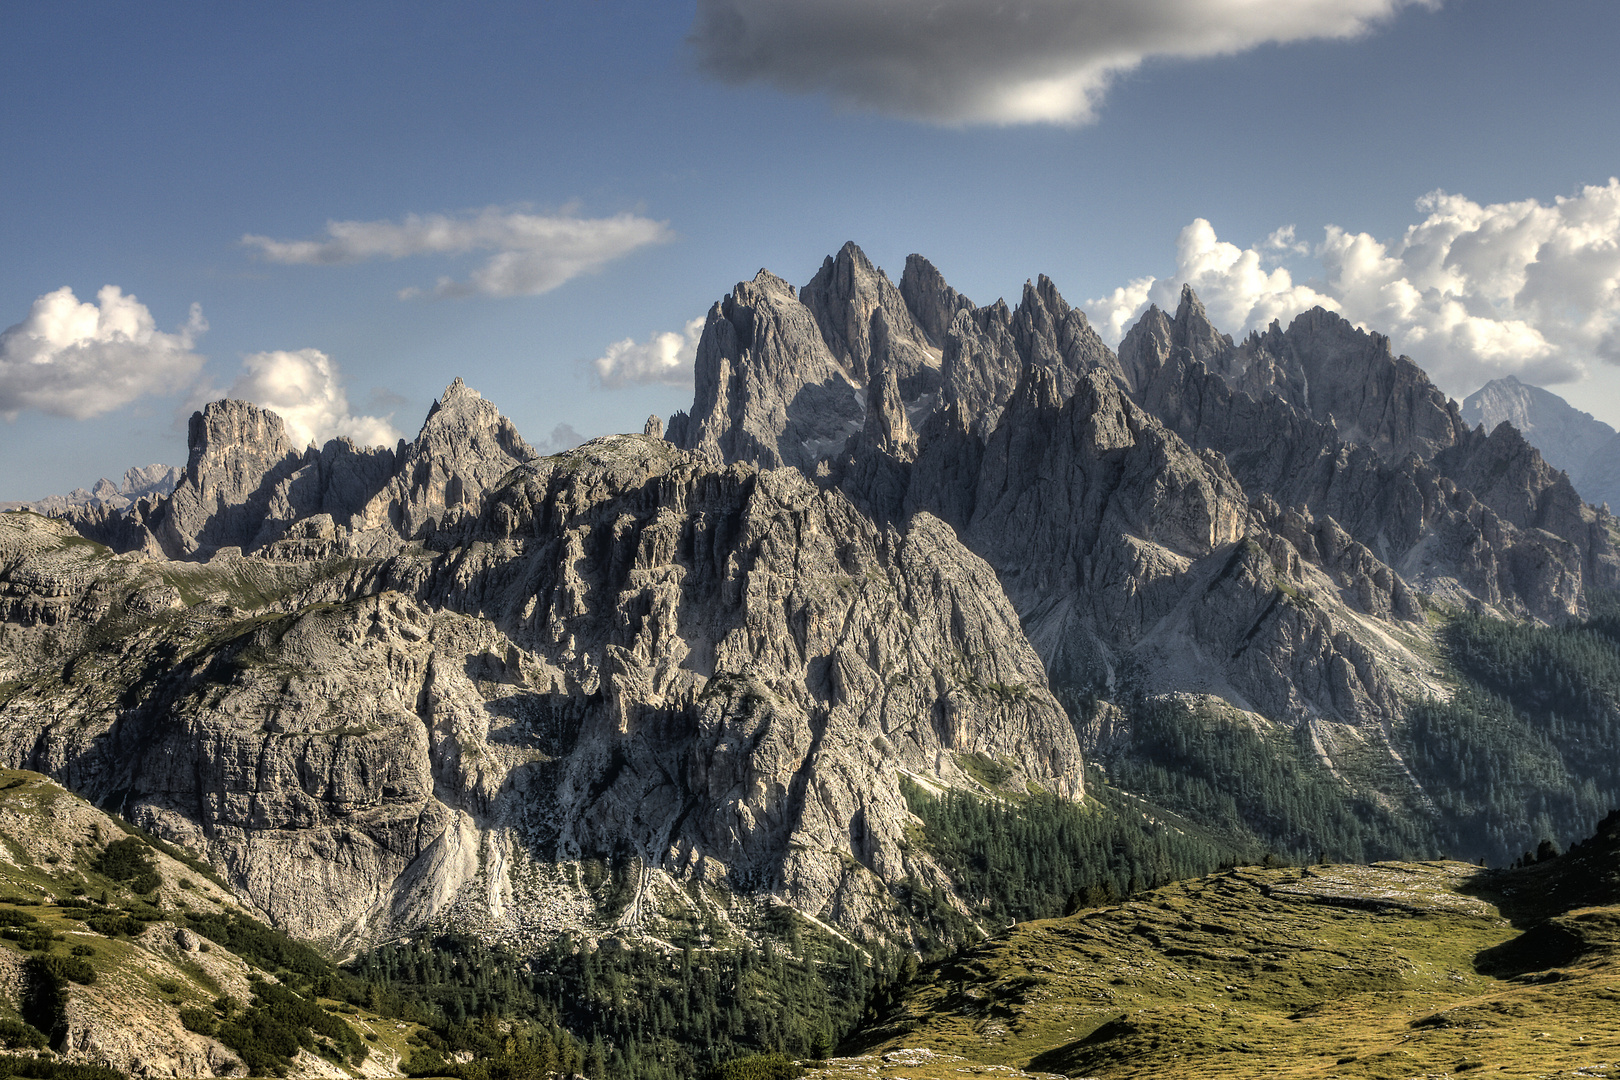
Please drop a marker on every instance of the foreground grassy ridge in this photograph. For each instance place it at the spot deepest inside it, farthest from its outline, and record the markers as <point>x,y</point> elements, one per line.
<point>1383,971</point>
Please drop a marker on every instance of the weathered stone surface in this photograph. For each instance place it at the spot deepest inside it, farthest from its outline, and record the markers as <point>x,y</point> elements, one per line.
<point>1149,345</point>
<point>384,687</point>
<point>768,389</point>
<point>863,318</point>
<point>1131,557</point>
<point>246,486</point>
<point>463,451</point>
<point>782,377</point>
<point>1521,543</point>
<point>719,673</point>
<point>1568,439</point>
<point>240,460</point>
<point>933,303</point>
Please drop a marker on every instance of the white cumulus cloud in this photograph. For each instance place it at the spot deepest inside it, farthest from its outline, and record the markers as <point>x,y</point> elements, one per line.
<point>305,389</point>
<point>1472,291</point>
<point>994,61</point>
<point>530,253</point>
<point>1239,290</point>
<point>665,358</point>
<point>81,359</point>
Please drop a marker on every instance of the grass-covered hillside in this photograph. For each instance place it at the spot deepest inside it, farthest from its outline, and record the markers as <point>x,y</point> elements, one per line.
<point>1379,971</point>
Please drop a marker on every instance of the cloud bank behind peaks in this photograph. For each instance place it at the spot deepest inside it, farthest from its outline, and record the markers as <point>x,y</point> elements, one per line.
<point>305,390</point>
<point>80,360</point>
<point>994,61</point>
<point>1472,292</point>
<point>531,253</point>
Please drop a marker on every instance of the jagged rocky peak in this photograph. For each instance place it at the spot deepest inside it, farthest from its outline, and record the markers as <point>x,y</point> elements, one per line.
<point>767,389</point>
<point>987,350</point>
<point>726,670</point>
<point>1058,338</point>
<point>932,303</point>
<point>1062,476</point>
<point>1577,442</point>
<point>782,378</point>
<point>232,445</point>
<point>1422,517</point>
<point>239,454</point>
<point>1334,370</point>
<point>1131,556</point>
<point>245,485</point>
<point>863,317</point>
<point>463,450</point>
<point>1322,364</point>
<point>1148,345</point>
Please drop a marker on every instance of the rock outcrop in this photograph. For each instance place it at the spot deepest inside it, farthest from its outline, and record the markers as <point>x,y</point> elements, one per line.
<point>245,485</point>
<point>1322,366</point>
<point>1137,562</point>
<point>782,376</point>
<point>1576,442</point>
<point>624,652</point>
<point>1464,516</point>
<point>895,536</point>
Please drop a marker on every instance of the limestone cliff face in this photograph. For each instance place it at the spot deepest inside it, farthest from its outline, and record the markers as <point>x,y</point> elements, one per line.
<point>1465,516</point>
<point>1111,536</point>
<point>864,321</point>
<point>235,481</point>
<point>1135,561</point>
<point>246,487</point>
<point>1125,527</point>
<point>382,688</point>
<point>769,389</point>
<point>782,375</point>
<point>1567,438</point>
<point>713,674</point>
<point>1322,366</point>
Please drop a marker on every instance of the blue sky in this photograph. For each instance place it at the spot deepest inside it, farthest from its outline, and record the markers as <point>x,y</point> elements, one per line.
<point>582,174</point>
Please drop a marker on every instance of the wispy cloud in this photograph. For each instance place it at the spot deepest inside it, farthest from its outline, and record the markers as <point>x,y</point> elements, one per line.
<point>79,360</point>
<point>563,437</point>
<point>665,358</point>
<point>994,61</point>
<point>1472,291</point>
<point>532,253</point>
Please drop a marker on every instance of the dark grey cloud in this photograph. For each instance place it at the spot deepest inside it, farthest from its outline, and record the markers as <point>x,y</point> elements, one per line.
<point>993,61</point>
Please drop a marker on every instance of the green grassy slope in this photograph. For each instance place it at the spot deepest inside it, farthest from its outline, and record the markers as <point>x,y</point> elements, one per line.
<point>1389,970</point>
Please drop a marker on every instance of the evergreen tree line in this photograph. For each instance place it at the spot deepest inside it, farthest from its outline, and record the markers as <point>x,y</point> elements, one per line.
<point>1526,748</point>
<point>623,1013</point>
<point>1040,856</point>
<point>1260,790</point>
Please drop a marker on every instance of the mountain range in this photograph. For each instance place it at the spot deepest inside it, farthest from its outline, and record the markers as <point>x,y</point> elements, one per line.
<point>1238,596</point>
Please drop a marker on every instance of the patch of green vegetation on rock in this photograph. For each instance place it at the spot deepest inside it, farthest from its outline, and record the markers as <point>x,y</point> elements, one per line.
<point>985,769</point>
